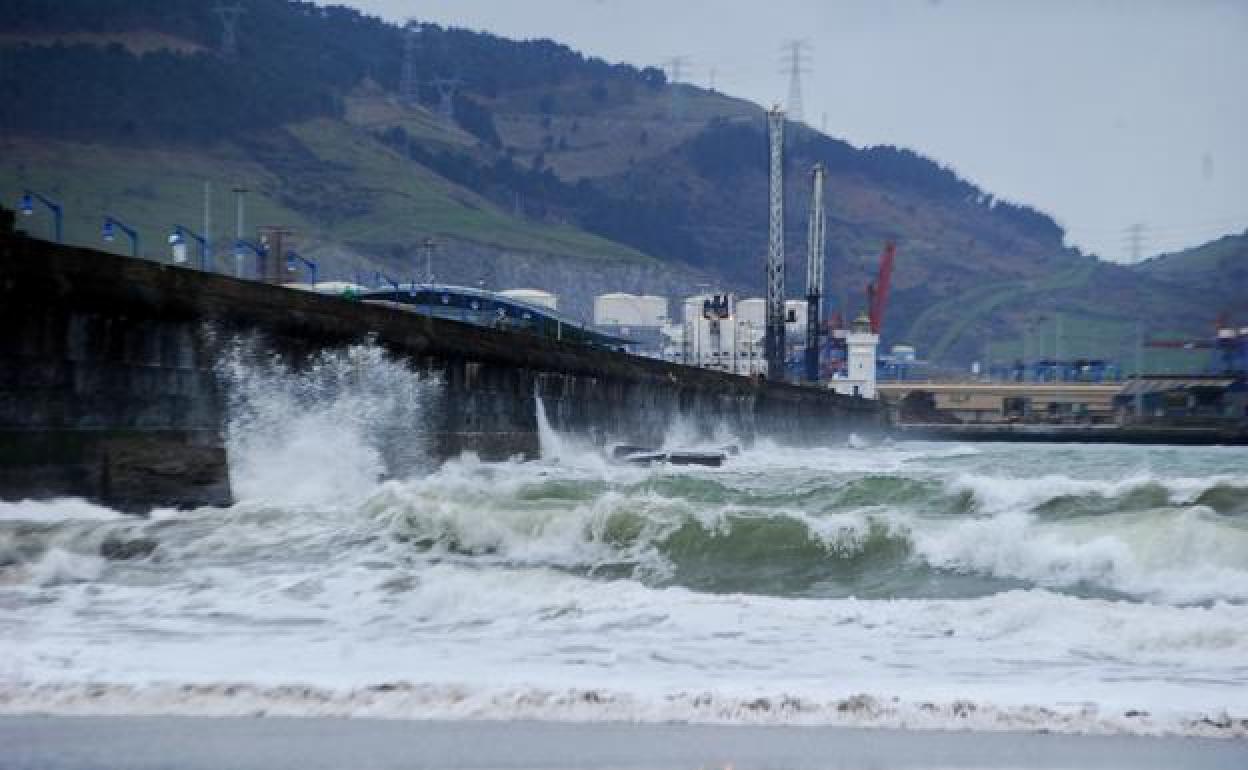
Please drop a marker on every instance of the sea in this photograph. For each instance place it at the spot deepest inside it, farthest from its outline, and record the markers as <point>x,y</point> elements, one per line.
<point>1056,587</point>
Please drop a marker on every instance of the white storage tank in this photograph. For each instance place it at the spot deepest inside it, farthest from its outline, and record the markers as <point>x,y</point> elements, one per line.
<point>653,310</point>
<point>617,309</point>
<point>533,297</point>
<point>903,353</point>
<point>692,306</point>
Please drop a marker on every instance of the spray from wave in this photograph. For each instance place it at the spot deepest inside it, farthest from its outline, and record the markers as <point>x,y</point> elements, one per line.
<point>325,430</point>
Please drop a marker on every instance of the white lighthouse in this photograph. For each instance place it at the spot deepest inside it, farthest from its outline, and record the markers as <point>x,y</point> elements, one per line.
<point>861,344</point>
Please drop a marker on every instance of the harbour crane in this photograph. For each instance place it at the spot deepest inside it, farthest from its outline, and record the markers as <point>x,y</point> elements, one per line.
<point>814,272</point>
<point>877,290</point>
<point>1230,344</point>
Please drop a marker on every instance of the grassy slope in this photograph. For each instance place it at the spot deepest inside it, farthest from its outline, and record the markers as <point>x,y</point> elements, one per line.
<point>297,180</point>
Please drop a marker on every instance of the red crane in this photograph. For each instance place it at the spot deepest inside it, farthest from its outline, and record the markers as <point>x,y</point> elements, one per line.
<point>877,290</point>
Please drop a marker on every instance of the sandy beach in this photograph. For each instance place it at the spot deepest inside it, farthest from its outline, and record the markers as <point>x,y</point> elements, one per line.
<point>147,743</point>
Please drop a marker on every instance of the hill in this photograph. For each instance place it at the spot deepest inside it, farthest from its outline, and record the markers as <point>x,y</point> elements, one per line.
<point>541,166</point>
<point>1219,269</point>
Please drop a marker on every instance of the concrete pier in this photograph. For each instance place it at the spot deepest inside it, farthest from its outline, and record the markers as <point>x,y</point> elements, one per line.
<point>108,386</point>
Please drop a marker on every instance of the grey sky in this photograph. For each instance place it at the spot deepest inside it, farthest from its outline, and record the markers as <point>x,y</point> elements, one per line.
<point>1101,113</point>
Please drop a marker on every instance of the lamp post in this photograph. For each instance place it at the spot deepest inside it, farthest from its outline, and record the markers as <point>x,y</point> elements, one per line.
<point>241,247</point>
<point>293,258</point>
<point>109,232</point>
<point>27,207</point>
<point>177,239</point>
<point>428,245</point>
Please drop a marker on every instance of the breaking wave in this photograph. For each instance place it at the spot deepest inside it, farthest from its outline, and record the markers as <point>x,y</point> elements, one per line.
<point>994,587</point>
<point>324,430</point>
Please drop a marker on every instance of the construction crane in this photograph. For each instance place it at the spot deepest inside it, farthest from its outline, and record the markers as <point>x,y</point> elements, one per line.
<point>877,290</point>
<point>1230,343</point>
<point>774,340</point>
<point>814,272</point>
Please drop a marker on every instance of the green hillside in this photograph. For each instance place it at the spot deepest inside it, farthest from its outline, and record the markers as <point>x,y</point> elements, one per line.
<point>554,169</point>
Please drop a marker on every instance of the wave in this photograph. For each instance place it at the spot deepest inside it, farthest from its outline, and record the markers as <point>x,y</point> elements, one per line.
<point>832,535</point>
<point>323,431</point>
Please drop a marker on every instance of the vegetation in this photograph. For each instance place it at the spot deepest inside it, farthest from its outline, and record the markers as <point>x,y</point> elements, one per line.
<point>549,152</point>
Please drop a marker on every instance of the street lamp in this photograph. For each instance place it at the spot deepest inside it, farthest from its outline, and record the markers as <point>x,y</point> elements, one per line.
<point>428,245</point>
<point>109,232</point>
<point>293,258</point>
<point>241,247</point>
<point>27,207</point>
<point>177,239</point>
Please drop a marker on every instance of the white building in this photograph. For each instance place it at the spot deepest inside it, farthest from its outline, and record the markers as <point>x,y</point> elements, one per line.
<point>752,311</point>
<point>795,320</point>
<point>533,297</point>
<point>714,335</point>
<point>859,378</point>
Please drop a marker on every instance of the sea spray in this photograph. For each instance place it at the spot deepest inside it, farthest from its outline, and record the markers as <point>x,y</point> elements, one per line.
<point>327,429</point>
<point>550,443</point>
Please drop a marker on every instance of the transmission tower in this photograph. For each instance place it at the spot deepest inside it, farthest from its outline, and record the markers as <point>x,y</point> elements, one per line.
<point>446,95</point>
<point>816,236</point>
<point>409,81</point>
<point>1135,236</point>
<point>675,69</point>
<point>796,61</point>
<point>774,342</point>
<point>229,15</point>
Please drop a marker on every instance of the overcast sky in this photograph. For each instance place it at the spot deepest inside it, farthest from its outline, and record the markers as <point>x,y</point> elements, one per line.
<point>1102,113</point>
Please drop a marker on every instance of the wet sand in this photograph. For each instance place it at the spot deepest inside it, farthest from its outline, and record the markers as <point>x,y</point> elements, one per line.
<point>195,743</point>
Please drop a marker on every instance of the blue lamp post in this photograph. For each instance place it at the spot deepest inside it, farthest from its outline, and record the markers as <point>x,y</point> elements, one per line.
<point>293,258</point>
<point>177,239</point>
<point>241,247</point>
<point>27,207</point>
<point>112,225</point>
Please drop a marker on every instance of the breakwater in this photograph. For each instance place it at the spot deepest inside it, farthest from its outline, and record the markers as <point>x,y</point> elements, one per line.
<point>110,386</point>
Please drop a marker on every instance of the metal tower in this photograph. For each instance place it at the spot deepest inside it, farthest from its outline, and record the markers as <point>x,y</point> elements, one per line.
<point>409,80</point>
<point>675,69</point>
<point>446,93</point>
<point>229,15</point>
<point>774,341</point>
<point>1135,238</point>
<point>815,239</point>
<point>796,61</point>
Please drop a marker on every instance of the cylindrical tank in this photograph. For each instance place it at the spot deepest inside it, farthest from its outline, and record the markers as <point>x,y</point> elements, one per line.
<point>653,310</point>
<point>693,306</point>
<point>533,297</point>
<point>903,352</point>
<point>617,309</point>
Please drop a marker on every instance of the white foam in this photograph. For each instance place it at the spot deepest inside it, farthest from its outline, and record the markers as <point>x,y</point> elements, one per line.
<point>322,434</point>
<point>1184,555</point>
<point>61,509</point>
<point>58,566</point>
<point>414,700</point>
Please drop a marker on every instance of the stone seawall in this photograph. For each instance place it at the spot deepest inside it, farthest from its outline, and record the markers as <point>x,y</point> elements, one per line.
<point>109,390</point>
